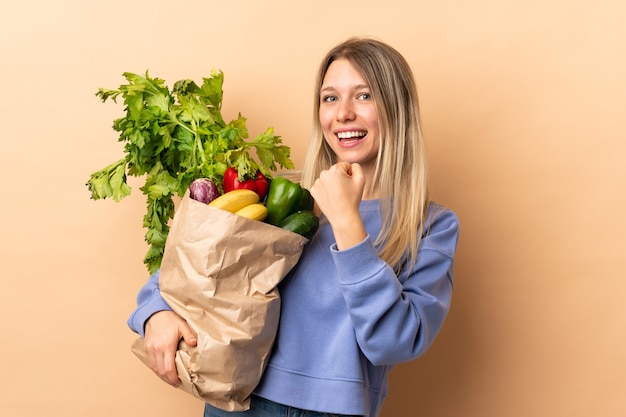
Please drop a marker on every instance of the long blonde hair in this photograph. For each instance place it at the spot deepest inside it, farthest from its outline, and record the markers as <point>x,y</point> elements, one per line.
<point>401,172</point>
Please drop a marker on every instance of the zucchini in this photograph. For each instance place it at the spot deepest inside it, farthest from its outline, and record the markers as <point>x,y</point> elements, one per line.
<point>302,222</point>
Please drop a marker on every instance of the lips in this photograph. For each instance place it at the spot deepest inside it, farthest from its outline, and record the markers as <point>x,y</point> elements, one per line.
<point>353,134</point>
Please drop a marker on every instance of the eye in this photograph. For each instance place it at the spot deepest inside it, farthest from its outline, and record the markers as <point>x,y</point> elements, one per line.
<point>364,96</point>
<point>328,98</point>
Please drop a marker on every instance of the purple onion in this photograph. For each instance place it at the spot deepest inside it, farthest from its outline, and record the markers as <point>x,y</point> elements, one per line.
<point>203,190</point>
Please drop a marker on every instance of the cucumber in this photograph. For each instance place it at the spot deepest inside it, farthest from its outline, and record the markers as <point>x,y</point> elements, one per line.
<point>302,222</point>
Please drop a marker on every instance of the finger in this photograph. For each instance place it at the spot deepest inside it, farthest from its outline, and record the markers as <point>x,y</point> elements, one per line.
<point>169,372</point>
<point>342,166</point>
<point>188,335</point>
<point>152,361</point>
<point>356,170</point>
<point>358,176</point>
<point>152,355</point>
<point>161,360</point>
<point>164,366</point>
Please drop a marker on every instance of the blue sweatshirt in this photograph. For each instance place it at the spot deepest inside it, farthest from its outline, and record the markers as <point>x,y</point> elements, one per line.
<point>347,318</point>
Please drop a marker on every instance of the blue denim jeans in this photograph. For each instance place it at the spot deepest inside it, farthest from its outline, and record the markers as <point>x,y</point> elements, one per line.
<point>260,407</point>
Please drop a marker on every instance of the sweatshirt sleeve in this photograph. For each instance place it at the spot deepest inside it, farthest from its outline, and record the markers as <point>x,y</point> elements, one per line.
<point>396,317</point>
<point>149,301</point>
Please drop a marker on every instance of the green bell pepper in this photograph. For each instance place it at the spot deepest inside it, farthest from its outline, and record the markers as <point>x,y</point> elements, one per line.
<point>285,197</point>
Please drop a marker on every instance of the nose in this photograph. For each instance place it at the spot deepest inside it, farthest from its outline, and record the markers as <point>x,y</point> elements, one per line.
<point>345,111</point>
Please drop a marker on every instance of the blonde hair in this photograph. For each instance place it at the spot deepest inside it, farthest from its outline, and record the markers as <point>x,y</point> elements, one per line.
<point>401,172</point>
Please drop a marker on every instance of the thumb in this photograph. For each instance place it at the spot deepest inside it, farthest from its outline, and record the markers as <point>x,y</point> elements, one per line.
<point>356,172</point>
<point>188,335</point>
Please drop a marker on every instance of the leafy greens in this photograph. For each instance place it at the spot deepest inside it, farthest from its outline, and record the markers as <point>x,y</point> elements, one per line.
<point>174,137</point>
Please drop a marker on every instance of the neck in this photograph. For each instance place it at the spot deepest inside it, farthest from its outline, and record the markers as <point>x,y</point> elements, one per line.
<point>370,193</point>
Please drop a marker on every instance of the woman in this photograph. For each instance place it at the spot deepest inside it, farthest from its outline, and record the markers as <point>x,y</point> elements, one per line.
<point>374,285</point>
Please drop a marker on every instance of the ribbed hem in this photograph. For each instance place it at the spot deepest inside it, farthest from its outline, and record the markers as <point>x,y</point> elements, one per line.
<point>316,394</point>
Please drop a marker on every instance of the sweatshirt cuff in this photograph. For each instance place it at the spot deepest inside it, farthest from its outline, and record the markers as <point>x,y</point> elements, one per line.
<point>357,263</point>
<point>137,321</point>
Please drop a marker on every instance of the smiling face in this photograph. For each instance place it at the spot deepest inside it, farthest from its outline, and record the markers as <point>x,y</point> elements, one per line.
<point>347,115</point>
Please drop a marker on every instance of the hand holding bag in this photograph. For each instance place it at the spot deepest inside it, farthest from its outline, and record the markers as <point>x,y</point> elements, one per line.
<point>220,273</point>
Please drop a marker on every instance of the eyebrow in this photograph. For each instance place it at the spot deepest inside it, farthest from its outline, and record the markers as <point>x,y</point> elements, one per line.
<point>354,87</point>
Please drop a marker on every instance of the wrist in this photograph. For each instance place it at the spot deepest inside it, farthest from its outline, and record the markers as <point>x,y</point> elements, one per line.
<point>348,233</point>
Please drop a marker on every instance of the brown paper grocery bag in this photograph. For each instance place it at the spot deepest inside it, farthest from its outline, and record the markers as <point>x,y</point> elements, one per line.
<point>220,272</point>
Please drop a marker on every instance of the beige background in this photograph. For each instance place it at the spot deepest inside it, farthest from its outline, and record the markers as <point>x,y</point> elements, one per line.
<point>523,108</point>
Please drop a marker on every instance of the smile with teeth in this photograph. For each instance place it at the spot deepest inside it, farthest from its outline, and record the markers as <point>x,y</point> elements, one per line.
<point>351,135</point>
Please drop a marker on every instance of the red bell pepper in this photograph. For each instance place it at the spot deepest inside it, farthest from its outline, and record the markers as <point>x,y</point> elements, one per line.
<point>259,184</point>
<point>262,185</point>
